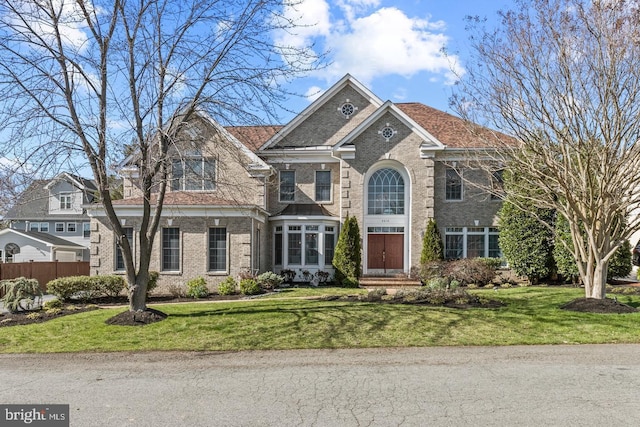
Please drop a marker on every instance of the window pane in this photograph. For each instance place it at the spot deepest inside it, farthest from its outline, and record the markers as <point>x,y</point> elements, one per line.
<point>277,250</point>
<point>59,227</point>
<point>128,232</point>
<point>44,226</point>
<point>177,173</point>
<point>209,174</point>
<point>453,185</point>
<point>287,186</point>
<point>453,246</point>
<point>295,248</point>
<point>193,174</point>
<point>329,243</point>
<point>170,249</point>
<point>386,193</point>
<point>34,226</point>
<point>475,246</point>
<point>218,249</point>
<point>311,248</point>
<point>323,186</point>
<point>71,227</point>
<point>494,247</point>
<point>86,230</point>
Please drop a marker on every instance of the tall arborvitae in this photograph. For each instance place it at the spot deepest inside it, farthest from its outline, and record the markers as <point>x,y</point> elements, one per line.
<point>347,259</point>
<point>432,247</point>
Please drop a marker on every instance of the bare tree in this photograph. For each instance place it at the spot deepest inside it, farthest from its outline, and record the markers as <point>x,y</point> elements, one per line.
<point>563,78</point>
<point>85,78</point>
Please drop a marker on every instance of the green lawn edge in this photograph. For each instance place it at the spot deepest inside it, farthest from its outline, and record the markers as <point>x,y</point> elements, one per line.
<point>530,315</point>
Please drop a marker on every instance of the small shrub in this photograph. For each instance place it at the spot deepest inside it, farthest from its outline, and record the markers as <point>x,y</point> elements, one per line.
<point>20,293</point>
<point>54,311</point>
<point>176,290</point>
<point>153,281</point>
<point>228,286</point>
<point>86,287</point>
<point>249,287</point>
<point>323,276</point>
<point>269,280</point>
<point>288,275</point>
<point>428,270</point>
<point>437,283</point>
<point>246,275</point>
<point>197,288</point>
<point>53,303</point>
<point>110,285</point>
<point>470,270</point>
<point>65,287</point>
<point>33,316</point>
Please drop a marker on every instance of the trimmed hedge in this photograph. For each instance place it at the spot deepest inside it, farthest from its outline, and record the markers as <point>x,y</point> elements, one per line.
<point>86,287</point>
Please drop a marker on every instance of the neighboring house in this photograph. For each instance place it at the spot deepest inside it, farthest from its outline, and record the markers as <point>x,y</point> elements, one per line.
<point>274,197</point>
<point>54,208</point>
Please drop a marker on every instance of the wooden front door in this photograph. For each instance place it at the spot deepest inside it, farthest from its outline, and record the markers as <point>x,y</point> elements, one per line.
<point>385,252</point>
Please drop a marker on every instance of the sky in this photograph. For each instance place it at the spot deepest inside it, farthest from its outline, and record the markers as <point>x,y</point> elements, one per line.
<point>391,46</point>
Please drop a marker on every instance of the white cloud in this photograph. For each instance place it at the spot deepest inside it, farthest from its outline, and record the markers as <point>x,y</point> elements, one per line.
<point>71,24</point>
<point>370,42</point>
<point>313,93</point>
<point>389,42</point>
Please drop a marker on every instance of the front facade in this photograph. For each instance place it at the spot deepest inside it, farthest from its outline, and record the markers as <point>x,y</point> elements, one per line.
<point>274,198</point>
<point>52,219</point>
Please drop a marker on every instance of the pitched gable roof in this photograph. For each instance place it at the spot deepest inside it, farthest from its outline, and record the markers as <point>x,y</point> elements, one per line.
<point>48,239</point>
<point>347,80</point>
<point>389,107</point>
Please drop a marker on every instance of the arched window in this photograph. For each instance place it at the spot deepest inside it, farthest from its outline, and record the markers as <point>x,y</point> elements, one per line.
<point>386,193</point>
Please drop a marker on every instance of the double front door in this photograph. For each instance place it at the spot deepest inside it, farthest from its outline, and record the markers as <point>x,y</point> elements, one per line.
<point>385,252</point>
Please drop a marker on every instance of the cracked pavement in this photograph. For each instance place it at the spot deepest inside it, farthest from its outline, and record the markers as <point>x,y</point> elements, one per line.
<point>439,386</point>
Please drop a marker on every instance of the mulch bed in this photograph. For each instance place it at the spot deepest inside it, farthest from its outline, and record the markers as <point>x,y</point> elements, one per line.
<point>137,318</point>
<point>601,306</point>
<point>24,318</point>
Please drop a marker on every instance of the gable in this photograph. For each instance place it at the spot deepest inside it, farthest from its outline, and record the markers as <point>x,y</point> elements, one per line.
<point>324,123</point>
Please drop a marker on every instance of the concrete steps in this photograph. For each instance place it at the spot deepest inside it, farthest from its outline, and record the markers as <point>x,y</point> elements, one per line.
<point>377,282</point>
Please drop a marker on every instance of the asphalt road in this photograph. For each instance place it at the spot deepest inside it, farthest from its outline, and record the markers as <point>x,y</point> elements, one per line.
<point>469,386</point>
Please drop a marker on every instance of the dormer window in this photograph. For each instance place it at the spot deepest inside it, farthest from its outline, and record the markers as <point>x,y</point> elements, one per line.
<point>65,201</point>
<point>193,174</point>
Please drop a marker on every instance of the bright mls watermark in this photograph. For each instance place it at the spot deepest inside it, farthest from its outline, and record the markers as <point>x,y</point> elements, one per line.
<point>34,415</point>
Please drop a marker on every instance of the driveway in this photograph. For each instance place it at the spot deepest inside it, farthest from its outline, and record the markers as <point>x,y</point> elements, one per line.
<point>458,386</point>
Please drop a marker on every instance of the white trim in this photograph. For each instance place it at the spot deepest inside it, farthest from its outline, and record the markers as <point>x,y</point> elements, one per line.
<point>403,220</point>
<point>390,107</point>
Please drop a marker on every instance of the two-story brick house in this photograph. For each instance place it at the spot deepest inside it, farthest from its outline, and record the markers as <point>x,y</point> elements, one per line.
<point>274,197</point>
<point>49,222</point>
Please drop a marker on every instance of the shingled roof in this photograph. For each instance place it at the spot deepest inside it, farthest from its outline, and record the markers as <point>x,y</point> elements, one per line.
<point>450,130</point>
<point>253,136</point>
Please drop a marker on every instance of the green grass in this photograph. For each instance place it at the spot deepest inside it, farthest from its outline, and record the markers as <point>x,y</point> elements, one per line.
<point>531,316</point>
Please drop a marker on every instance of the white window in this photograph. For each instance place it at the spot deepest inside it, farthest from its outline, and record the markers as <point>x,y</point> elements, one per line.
<point>34,226</point>
<point>170,249</point>
<point>323,186</point>
<point>44,227</point>
<point>193,174</point>
<point>59,227</point>
<point>71,227</point>
<point>86,230</point>
<point>471,242</point>
<point>65,201</point>
<point>453,186</point>
<point>287,186</point>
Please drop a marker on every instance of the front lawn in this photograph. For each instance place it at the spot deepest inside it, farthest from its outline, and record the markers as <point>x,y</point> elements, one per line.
<point>529,316</point>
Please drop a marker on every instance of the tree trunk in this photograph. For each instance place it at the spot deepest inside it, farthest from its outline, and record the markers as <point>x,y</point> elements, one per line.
<point>595,282</point>
<point>138,294</point>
